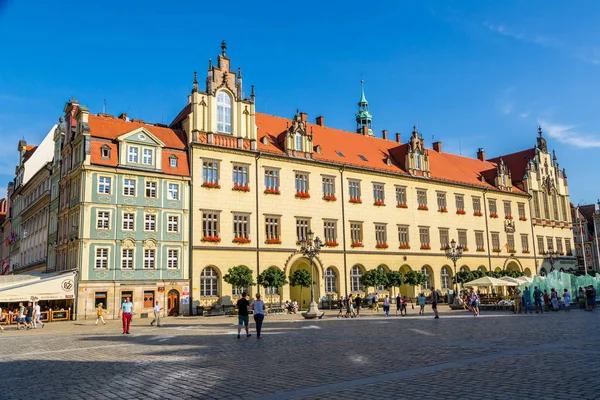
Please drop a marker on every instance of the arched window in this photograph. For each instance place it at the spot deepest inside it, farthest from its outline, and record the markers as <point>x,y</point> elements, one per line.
<point>223,112</point>
<point>417,161</point>
<point>445,275</point>
<point>482,269</point>
<point>555,205</point>
<point>464,268</point>
<point>429,282</point>
<point>355,274</point>
<point>298,142</point>
<point>546,205</point>
<point>380,288</point>
<point>330,281</point>
<point>209,283</point>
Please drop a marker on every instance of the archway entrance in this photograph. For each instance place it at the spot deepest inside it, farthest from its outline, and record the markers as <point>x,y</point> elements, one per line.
<point>300,294</point>
<point>173,303</point>
<point>513,266</point>
<point>406,289</point>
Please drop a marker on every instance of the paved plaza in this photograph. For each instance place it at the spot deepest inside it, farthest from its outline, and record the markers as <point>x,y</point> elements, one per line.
<point>494,356</point>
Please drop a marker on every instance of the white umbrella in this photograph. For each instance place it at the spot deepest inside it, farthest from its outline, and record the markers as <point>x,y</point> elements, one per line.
<point>489,281</point>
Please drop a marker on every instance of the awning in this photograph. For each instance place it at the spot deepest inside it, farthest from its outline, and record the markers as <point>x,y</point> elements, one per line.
<point>56,287</point>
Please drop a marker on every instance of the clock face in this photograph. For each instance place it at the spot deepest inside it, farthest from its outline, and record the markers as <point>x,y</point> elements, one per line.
<point>141,136</point>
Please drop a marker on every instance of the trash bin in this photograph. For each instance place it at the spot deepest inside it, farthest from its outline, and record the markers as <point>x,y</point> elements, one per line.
<point>200,310</point>
<point>450,297</point>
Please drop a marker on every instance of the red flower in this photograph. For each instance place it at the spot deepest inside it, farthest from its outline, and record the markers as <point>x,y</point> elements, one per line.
<point>379,203</point>
<point>272,191</point>
<point>355,200</point>
<point>443,210</point>
<point>493,215</point>
<point>241,188</point>
<point>425,247</point>
<point>211,185</point>
<point>461,212</point>
<point>241,240</point>
<point>526,251</point>
<point>405,246</point>
<point>329,198</point>
<point>508,216</point>
<point>273,241</point>
<point>212,239</point>
<point>356,244</point>
<point>423,208</point>
<point>382,245</point>
<point>302,195</point>
<point>330,243</point>
<point>522,218</point>
<point>478,214</point>
<point>402,205</point>
<point>480,249</point>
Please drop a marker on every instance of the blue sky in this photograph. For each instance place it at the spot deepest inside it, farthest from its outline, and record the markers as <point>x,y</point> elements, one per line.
<point>471,74</point>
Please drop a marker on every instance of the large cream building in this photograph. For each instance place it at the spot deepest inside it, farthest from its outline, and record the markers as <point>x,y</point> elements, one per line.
<point>260,182</point>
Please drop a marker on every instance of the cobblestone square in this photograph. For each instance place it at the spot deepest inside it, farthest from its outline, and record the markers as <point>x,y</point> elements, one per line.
<point>494,356</point>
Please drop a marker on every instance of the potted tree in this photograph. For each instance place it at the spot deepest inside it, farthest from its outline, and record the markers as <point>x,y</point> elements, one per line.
<point>300,277</point>
<point>272,277</point>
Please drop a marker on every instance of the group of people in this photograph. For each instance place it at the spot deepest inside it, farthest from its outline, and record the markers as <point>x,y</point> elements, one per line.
<point>350,306</point>
<point>541,300</point>
<point>471,301</point>
<point>291,307</point>
<point>258,311</point>
<point>28,317</point>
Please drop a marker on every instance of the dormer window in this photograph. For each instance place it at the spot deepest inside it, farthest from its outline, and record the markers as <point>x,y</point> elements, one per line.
<point>105,152</point>
<point>147,157</point>
<point>173,162</point>
<point>298,142</point>
<point>133,155</point>
<point>223,112</point>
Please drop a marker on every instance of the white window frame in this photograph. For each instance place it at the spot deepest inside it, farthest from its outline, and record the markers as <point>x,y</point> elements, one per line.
<point>103,220</point>
<point>147,156</point>
<point>173,191</point>
<point>129,187</point>
<point>150,222</point>
<point>101,256</point>
<point>224,112</point>
<point>127,259</point>
<point>151,191</point>
<point>173,223</point>
<point>128,223</point>
<point>149,258</point>
<point>133,154</point>
<point>104,184</point>
<point>172,258</point>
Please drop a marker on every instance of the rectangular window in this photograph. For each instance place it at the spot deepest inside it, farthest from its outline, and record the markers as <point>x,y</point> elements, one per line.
<point>104,185</point>
<point>101,298</point>
<point>172,259</point>
<point>210,172</point>
<point>356,234</point>
<point>424,237</point>
<point>272,228</point>
<point>444,240</point>
<point>496,242</point>
<point>462,238</point>
<point>492,206</point>
<point>125,294</point>
<point>354,190</point>
<point>510,241</point>
<point>101,258</point>
<point>525,243</point>
<point>240,175</point>
<point>151,189</point>
<point>479,241</point>
<point>403,237</point>
<point>173,162</point>
<point>521,210</point>
<point>477,206</point>
<point>536,205</point>
<point>128,222</point>
<point>302,228</point>
<point>133,155</point>
<point>540,243</point>
<point>147,157</point>
<point>380,234</point>
<point>173,192</point>
<point>568,250</point>
<point>460,202</point>
<point>129,187</point>
<point>241,226</point>
<point>401,196</point>
<point>301,183</point>
<point>173,224</point>
<point>210,225</point>
<point>272,180</point>
<point>507,209</point>
<point>149,258</point>
<point>559,246</point>
<point>441,202</point>
<point>329,231</point>
<point>329,187</point>
<point>150,223</point>
<point>422,198</point>
<point>127,259</point>
<point>148,299</point>
<point>103,220</point>
<point>550,241</point>
<point>378,193</point>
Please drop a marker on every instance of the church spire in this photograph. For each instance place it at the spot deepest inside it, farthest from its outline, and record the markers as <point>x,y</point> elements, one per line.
<point>364,118</point>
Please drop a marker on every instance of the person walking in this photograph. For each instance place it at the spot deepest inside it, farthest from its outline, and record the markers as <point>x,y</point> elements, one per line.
<point>258,309</point>
<point>126,312</point>
<point>404,303</point>
<point>156,319</point>
<point>21,317</point>
<point>567,298</point>
<point>474,301</point>
<point>554,299</point>
<point>527,300</point>
<point>434,302</point>
<point>99,314</point>
<point>517,298</point>
<point>537,298</point>
<point>386,305</point>
<point>341,307</point>
<point>357,301</point>
<point>590,298</point>
<point>350,308</point>
<point>242,306</point>
<point>37,314</point>
<point>421,304</point>
<point>398,304</point>
<point>376,303</point>
<point>29,316</point>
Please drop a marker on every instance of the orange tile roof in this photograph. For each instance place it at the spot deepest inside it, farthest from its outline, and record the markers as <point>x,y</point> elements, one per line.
<point>516,162</point>
<point>29,150</point>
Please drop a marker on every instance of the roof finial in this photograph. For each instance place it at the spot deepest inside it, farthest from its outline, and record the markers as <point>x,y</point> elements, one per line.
<point>209,64</point>
<point>252,92</point>
<point>224,48</point>
<point>239,72</point>
<point>195,81</point>
<point>540,131</point>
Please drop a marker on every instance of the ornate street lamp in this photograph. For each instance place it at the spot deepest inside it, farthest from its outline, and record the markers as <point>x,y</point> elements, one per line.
<point>552,257</point>
<point>310,248</point>
<point>454,252</point>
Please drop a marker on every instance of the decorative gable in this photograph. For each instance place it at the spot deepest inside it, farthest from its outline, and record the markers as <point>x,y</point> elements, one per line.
<point>141,136</point>
<point>503,179</point>
<point>417,159</point>
<point>298,141</point>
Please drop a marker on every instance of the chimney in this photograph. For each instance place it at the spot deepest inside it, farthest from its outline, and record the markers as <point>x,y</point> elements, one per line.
<point>481,154</point>
<point>398,137</point>
<point>123,116</point>
<point>365,130</point>
<point>320,120</point>
<point>384,133</point>
<point>303,116</point>
<point>437,146</point>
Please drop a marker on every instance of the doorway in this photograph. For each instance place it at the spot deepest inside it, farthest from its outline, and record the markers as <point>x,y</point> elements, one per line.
<point>173,303</point>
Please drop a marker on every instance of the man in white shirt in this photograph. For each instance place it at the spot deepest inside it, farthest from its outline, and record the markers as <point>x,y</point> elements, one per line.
<point>36,316</point>
<point>156,315</point>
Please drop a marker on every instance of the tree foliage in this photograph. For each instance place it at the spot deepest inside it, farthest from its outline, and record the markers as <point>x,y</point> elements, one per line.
<point>272,277</point>
<point>300,277</point>
<point>395,279</point>
<point>415,278</point>
<point>239,277</point>
<point>374,278</point>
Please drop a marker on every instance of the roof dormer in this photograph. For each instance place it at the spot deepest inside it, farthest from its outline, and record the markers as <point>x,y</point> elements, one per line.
<point>417,159</point>
<point>298,141</point>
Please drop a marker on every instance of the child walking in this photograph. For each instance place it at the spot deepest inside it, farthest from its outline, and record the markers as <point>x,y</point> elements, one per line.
<point>99,312</point>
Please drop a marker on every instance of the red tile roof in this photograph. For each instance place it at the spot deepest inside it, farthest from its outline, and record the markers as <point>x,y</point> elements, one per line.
<point>516,162</point>
<point>29,150</point>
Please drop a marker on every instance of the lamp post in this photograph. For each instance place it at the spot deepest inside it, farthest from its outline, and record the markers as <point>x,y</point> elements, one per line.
<point>454,252</point>
<point>552,257</point>
<point>310,248</point>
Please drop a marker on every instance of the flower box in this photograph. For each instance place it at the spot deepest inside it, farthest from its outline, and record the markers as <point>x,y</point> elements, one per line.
<point>423,208</point>
<point>302,195</point>
<point>212,239</point>
<point>480,249</point>
<point>461,212</point>
<point>508,217</point>
<point>355,200</point>
<point>478,214</point>
<point>465,248</point>
<point>382,245</point>
<point>329,243</point>
<point>273,241</point>
<point>356,244</point>
<point>329,198</point>
<point>241,240</point>
<point>211,185</point>
<point>512,251</point>
<point>493,215</point>
<point>379,203</point>
<point>496,250</point>
<point>272,191</point>
<point>405,246</point>
<point>241,188</point>
<point>402,205</point>
<point>522,218</point>
<point>443,210</point>
<point>425,247</point>
<point>526,251</point>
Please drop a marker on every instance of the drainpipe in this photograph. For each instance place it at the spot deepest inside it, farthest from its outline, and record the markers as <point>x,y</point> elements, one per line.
<point>257,221</point>
<point>191,234</point>
<point>344,230</point>
<point>487,230</point>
